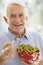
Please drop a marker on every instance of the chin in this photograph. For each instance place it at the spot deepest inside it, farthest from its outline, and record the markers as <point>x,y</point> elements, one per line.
<point>16,30</point>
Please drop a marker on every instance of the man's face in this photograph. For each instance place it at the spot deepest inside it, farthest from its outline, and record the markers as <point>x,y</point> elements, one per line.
<point>16,18</point>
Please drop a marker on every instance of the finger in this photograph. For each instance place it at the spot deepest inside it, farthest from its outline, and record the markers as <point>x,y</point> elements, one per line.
<point>36,62</point>
<point>29,62</point>
<point>8,54</point>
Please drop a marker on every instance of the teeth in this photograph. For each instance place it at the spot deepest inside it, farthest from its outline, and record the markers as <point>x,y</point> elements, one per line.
<point>17,25</point>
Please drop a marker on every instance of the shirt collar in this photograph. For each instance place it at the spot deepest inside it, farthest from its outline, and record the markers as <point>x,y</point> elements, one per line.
<point>12,36</point>
<point>26,34</point>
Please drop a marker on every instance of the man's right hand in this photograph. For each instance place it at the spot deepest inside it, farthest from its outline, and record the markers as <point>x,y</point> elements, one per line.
<point>1,63</point>
<point>7,53</point>
<point>1,59</point>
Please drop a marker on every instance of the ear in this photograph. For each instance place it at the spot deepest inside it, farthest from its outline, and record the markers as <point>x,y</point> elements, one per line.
<point>5,19</point>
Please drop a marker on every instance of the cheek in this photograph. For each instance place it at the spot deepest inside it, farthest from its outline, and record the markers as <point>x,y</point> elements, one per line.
<point>23,20</point>
<point>10,24</point>
<point>10,21</point>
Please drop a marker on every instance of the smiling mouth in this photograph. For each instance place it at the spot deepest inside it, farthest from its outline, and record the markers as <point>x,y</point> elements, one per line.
<point>18,25</point>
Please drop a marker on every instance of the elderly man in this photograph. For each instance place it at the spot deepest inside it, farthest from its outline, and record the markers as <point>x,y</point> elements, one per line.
<point>16,19</point>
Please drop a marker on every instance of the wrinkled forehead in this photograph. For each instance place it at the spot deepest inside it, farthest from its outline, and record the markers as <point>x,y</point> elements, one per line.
<point>15,7</point>
<point>12,4</point>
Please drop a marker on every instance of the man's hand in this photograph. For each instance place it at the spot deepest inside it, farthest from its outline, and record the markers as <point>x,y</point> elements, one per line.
<point>8,51</point>
<point>35,62</point>
<point>1,60</point>
<point>41,62</point>
<point>1,63</point>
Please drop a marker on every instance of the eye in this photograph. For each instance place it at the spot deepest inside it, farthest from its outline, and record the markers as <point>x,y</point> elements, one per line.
<point>12,15</point>
<point>20,15</point>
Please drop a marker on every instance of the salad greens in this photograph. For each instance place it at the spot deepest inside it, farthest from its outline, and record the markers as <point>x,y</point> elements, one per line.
<point>27,48</point>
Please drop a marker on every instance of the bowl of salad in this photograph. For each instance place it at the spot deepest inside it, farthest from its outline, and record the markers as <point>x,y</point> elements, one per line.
<point>28,53</point>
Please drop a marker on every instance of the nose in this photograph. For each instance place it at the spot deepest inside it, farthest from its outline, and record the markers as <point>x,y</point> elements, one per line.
<point>17,19</point>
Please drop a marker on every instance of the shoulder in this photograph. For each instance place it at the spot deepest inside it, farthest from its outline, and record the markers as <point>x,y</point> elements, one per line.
<point>33,34</point>
<point>3,37</point>
<point>3,34</point>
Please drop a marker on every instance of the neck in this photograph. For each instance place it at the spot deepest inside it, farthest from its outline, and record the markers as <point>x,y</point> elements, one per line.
<point>16,33</point>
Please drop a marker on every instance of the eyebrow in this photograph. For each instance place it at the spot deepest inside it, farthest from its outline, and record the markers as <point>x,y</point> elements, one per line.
<point>15,14</point>
<point>12,15</point>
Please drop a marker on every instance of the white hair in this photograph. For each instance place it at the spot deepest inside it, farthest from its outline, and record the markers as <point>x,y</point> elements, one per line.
<point>8,2</point>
